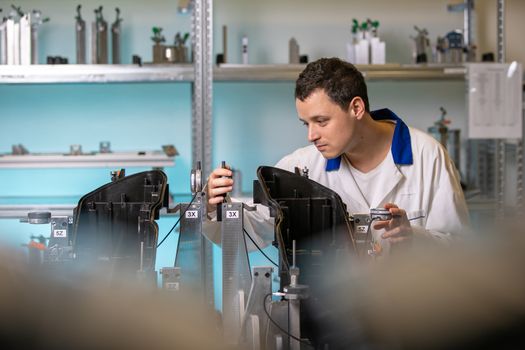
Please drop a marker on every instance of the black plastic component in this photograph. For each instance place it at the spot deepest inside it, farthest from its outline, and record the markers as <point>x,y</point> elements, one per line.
<point>111,222</point>
<point>316,218</point>
<point>136,59</point>
<point>487,57</point>
<point>219,59</point>
<point>307,212</point>
<point>56,60</point>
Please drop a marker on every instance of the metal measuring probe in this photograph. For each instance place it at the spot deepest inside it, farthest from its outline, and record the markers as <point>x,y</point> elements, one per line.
<point>380,214</point>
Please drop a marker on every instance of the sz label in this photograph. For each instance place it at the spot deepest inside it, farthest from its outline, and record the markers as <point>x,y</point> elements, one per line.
<point>59,233</point>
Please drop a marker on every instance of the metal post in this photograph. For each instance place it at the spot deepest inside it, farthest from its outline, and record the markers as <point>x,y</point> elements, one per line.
<point>236,278</point>
<point>500,144</point>
<point>202,85</point>
<point>501,31</point>
<point>194,253</point>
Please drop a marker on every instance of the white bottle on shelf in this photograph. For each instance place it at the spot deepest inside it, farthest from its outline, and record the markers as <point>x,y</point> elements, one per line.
<point>377,51</point>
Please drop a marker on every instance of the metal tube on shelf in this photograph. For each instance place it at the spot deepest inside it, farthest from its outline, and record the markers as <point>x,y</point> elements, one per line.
<point>3,41</point>
<point>99,38</point>
<point>80,35</point>
<point>115,38</point>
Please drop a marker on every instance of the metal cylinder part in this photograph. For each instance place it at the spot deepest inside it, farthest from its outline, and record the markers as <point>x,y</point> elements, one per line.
<point>380,214</point>
<point>39,217</point>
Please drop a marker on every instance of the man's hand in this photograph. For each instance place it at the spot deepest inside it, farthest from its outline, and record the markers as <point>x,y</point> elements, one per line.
<point>398,228</point>
<point>219,183</point>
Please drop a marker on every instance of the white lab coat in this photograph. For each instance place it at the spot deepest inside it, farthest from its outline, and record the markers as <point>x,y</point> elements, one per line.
<point>429,188</point>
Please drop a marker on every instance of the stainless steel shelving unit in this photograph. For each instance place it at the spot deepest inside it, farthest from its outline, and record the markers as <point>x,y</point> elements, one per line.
<point>290,72</point>
<point>156,159</point>
<point>94,73</point>
<point>57,74</point>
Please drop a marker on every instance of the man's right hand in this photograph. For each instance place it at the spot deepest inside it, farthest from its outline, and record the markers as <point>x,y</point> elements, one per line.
<point>219,183</point>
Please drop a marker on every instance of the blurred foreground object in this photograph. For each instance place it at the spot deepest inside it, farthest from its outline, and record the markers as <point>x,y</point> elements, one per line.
<point>462,297</point>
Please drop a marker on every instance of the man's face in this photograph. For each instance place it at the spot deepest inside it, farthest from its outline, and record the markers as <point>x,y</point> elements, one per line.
<point>330,128</point>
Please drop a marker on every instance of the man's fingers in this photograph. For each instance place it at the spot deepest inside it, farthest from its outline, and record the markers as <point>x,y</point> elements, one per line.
<point>378,225</point>
<point>396,231</point>
<point>221,182</point>
<point>216,200</point>
<point>390,205</point>
<point>220,191</point>
<point>220,172</point>
<point>395,211</point>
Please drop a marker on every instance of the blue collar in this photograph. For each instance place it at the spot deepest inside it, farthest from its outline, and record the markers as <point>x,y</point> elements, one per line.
<point>401,146</point>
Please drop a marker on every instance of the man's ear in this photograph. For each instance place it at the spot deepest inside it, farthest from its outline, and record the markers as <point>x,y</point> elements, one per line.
<point>357,107</point>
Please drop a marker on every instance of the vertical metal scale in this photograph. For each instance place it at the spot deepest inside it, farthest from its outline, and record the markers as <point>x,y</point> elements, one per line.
<point>500,144</point>
<point>201,111</point>
<point>519,168</point>
<point>190,250</point>
<point>202,85</point>
<point>236,277</point>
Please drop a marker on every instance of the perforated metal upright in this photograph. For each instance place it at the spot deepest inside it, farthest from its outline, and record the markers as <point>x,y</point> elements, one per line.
<point>202,84</point>
<point>501,144</point>
<point>202,39</point>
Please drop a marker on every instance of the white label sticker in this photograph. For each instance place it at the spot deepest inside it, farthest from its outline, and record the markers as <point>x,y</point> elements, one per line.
<point>192,214</point>
<point>232,214</point>
<point>59,233</point>
<point>362,229</point>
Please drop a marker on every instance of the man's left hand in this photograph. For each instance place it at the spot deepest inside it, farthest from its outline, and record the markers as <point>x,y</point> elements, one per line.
<point>398,229</point>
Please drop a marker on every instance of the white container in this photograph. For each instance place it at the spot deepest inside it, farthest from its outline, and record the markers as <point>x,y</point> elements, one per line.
<point>25,40</point>
<point>377,51</point>
<point>362,52</point>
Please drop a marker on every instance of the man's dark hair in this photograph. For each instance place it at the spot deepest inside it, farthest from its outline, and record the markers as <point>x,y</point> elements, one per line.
<point>340,80</point>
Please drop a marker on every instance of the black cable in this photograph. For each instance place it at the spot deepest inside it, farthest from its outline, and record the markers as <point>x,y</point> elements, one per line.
<point>180,216</point>
<point>266,256</point>
<point>279,327</point>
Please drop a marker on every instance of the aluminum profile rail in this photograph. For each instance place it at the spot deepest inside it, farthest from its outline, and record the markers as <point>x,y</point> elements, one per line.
<point>94,73</point>
<point>290,72</point>
<point>20,211</point>
<point>52,74</point>
<point>99,160</point>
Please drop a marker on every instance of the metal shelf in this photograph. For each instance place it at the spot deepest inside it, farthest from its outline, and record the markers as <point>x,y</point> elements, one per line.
<point>290,72</point>
<point>94,73</point>
<point>99,160</point>
<point>49,74</point>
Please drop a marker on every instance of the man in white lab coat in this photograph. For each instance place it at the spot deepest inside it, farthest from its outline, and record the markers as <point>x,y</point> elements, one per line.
<point>370,158</point>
